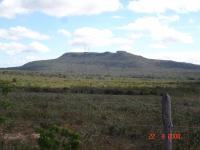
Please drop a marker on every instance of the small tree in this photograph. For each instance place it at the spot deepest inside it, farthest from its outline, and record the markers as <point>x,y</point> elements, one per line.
<point>5,88</point>
<point>5,104</point>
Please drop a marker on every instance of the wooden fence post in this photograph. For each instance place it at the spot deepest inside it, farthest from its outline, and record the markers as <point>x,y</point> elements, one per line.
<point>167,121</point>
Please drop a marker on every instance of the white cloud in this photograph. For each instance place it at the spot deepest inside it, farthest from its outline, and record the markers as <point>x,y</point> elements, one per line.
<point>123,42</point>
<point>77,50</point>
<point>158,45</point>
<point>36,46</point>
<point>118,17</point>
<point>58,8</point>
<point>64,32</point>
<point>191,21</point>
<point>13,48</point>
<point>88,37</point>
<point>10,8</point>
<point>183,56</point>
<point>18,60</point>
<point>19,32</point>
<point>93,37</point>
<point>161,6</point>
<point>34,57</point>
<point>159,29</point>
<point>136,35</point>
<point>168,19</point>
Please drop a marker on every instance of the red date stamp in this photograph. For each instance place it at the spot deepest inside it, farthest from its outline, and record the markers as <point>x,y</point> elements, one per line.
<point>151,136</point>
<point>170,136</point>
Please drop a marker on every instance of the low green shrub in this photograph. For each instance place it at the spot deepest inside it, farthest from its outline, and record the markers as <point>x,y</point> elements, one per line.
<point>5,87</point>
<point>2,120</point>
<point>57,138</point>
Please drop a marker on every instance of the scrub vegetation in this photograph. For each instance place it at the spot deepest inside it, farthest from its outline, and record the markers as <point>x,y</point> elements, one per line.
<point>94,112</point>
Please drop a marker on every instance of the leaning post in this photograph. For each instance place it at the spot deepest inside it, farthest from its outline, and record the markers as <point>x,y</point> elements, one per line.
<point>167,121</point>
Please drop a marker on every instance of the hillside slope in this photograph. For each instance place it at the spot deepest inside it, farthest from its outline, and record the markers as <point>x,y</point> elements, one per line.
<point>120,63</point>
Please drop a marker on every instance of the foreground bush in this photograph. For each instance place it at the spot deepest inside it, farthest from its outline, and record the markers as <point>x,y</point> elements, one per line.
<point>5,104</point>
<point>56,138</point>
<point>5,88</point>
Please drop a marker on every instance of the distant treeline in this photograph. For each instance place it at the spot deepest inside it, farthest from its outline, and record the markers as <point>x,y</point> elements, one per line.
<point>113,91</point>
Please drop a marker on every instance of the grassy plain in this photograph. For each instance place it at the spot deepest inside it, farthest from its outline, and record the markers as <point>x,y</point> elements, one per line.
<point>108,113</point>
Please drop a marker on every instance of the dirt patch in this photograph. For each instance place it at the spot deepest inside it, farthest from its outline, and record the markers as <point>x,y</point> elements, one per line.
<point>19,136</point>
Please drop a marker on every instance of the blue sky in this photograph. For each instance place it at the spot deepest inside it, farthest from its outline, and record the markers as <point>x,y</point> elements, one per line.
<point>44,29</point>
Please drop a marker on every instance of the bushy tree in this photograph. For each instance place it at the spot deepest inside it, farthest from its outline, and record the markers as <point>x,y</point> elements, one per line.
<point>5,88</point>
<point>5,104</point>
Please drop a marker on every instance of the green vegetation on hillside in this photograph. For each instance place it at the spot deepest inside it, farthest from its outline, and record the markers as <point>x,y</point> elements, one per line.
<point>117,64</point>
